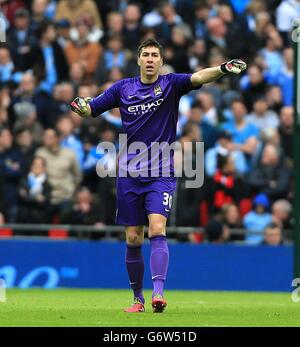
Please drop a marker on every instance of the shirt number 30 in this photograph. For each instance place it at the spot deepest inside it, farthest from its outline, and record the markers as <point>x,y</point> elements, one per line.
<point>167,200</point>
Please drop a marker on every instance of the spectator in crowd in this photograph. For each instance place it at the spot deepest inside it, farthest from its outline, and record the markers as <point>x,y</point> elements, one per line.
<point>62,94</point>
<point>282,213</point>
<point>27,118</point>
<point>7,68</point>
<point>197,55</point>
<point>72,10</point>
<point>257,219</point>
<point>179,45</point>
<point>40,12</point>
<point>82,51</point>
<point>209,108</point>
<point>254,85</point>
<point>26,146</point>
<point>201,16</point>
<point>261,117</point>
<point>225,186</point>
<point>63,27</point>
<point>270,175</point>
<point>66,127</point>
<point>274,98</point>
<point>209,132</point>
<point>11,169</point>
<point>114,56</point>
<point>216,232</point>
<point>28,91</point>
<point>272,235</point>
<point>231,217</point>
<point>271,54</point>
<point>286,12</point>
<point>170,18</point>
<point>34,194</point>
<point>50,61</point>
<point>86,210</point>
<point>62,169</point>
<point>114,24</point>
<point>244,135</point>
<point>286,129</point>
<point>132,28</point>
<point>285,78</point>
<point>22,40</point>
<point>216,37</point>
<point>224,146</point>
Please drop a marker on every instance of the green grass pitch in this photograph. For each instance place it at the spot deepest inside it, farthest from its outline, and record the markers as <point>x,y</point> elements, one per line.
<point>103,308</point>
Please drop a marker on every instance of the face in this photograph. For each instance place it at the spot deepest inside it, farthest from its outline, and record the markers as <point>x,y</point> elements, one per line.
<point>273,236</point>
<point>260,107</point>
<point>150,61</point>
<point>280,212</point>
<point>84,197</point>
<point>38,167</point>
<point>287,116</point>
<point>4,56</point>
<point>255,75</point>
<point>21,23</point>
<point>27,83</point>
<point>6,139</point>
<point>232,214</point>
<point>65,126</point>
<point>238,110</point>
<point>39,6</point>
<point>269,156</point>
<point>115,22</point>
<point>229,168</point>
<point>24,139</point>
<point>50,138</point>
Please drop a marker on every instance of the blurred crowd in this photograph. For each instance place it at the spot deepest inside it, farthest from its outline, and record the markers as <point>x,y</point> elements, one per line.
<point>53,51</point>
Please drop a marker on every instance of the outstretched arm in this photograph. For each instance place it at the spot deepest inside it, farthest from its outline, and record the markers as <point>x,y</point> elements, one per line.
<point>211,74</point>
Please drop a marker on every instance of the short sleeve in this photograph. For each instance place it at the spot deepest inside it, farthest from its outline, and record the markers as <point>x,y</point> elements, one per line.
<point>182,83</point>
<point>107,100</point>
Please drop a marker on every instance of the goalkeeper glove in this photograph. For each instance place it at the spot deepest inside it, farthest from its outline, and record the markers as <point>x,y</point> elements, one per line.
<point>80,106</point>
<point>235,66</point>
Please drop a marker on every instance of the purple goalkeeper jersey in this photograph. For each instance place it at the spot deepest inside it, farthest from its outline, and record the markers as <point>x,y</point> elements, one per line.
<point>149,115</point>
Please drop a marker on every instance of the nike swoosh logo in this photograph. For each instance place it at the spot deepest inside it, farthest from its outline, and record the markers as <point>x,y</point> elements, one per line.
<point>156,276</point>
<point>131,96</point>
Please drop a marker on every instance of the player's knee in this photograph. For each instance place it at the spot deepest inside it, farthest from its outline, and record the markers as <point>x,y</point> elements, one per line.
<point>157,229</point>
<point>134,238</point>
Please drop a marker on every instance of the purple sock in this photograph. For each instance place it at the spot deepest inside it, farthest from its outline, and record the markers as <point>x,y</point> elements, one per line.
<point>135,268</point>
<point>159,262</point>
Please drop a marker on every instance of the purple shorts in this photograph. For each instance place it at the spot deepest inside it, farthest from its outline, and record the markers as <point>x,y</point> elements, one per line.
<point>137,199</point>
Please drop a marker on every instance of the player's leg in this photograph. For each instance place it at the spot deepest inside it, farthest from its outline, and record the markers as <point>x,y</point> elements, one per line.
<point>159,259</point>
<point>130,213</point>
<point>135,265</point>
<point>158,202</point>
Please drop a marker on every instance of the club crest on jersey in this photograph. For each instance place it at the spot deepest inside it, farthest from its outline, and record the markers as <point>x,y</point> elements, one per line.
<point>157,90</point>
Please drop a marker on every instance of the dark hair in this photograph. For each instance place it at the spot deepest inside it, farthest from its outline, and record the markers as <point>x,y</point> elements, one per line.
<point>222,160</point>
<point>214,230</point>
<point>273,225</point>
<point>43,27</point>
<point>39,158</point>
<point>150,43</point>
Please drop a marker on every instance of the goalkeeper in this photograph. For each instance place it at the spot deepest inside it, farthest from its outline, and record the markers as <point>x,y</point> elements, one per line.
<point>148,105</point>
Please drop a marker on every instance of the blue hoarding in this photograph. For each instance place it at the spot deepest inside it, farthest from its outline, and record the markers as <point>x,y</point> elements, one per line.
<point>87,264</point>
